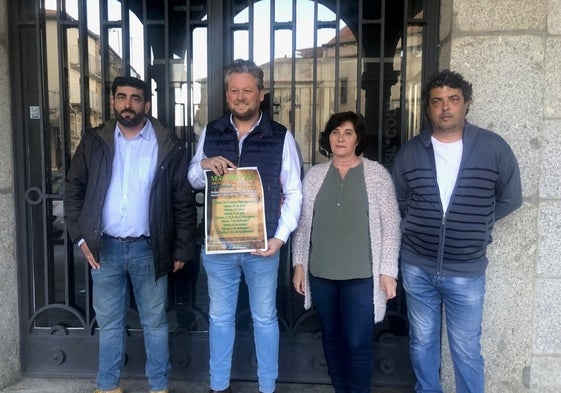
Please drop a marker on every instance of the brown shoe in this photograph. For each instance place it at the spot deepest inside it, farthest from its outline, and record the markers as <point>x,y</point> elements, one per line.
<point>118,390</point>
<point>227,390</point>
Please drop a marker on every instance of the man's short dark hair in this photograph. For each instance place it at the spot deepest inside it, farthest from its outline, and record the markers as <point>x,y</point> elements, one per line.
<point>447,78</point>
<point>132,82</point>
<point>241,66</point>
<point>335,121</point>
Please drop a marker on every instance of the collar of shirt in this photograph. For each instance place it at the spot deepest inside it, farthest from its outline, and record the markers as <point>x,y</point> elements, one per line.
<point>252,128</point>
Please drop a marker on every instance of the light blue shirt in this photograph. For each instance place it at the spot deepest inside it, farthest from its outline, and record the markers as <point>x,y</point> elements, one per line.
<point>125,212</point>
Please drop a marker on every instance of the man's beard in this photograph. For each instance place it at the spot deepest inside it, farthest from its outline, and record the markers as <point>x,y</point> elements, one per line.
<point>243,116</point>
<point>130,121</point>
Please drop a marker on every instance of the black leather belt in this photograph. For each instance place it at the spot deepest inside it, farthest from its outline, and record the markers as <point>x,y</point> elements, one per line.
<point>128,239</point>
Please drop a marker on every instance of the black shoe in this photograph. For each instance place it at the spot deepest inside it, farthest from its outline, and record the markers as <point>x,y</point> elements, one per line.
<point>227,390</point>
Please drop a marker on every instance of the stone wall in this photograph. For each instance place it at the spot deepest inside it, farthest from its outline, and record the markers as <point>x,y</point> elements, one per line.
<point>9,328</point>
<point>546,360</point>
<point>510,51</point>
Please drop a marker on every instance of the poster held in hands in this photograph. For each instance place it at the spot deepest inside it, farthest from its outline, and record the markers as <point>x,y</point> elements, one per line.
<point>234,211</point>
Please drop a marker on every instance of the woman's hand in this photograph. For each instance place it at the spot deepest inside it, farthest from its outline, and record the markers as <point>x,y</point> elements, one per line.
<point>298,279</point>
<point>389,286</point>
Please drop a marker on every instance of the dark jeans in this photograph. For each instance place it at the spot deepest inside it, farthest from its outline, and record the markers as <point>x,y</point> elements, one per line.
<point>346,314</point>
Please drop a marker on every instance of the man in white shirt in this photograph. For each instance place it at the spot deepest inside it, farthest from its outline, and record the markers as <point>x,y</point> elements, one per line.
<point>133,215</point>
<point>453,182</point>
<point>246,137</point>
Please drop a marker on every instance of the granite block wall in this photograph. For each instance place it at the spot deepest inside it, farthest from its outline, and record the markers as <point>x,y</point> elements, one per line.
<point>9,328</point>
<point>511,51</point>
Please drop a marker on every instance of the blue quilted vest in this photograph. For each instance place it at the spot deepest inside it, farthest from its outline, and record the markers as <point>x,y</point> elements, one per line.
<point>262,148</point>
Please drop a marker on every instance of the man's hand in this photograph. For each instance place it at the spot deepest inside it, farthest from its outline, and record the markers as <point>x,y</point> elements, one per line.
<point>389,286</point>
<point>89,256</point>
<point>274,246</point>
<point>298,279</point>
<point>178,265</point>
<point>218,164</point>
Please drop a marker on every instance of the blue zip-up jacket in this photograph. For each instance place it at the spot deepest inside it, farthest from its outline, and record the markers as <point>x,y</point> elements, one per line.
<point>454,243</point>
<point>262,148</point>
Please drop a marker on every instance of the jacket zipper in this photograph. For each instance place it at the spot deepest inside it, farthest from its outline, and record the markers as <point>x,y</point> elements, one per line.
<point>441,245</point>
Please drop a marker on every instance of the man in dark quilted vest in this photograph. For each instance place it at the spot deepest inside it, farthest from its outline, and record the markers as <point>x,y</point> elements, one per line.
<point>246,137</point>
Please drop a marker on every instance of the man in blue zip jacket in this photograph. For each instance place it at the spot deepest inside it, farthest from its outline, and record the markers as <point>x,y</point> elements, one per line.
<point>246,137</point>
<point>453,182</point>
<point>131,211</point>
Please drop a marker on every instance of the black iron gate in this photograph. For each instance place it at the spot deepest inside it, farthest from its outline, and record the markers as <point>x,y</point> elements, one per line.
<point>319,57</point>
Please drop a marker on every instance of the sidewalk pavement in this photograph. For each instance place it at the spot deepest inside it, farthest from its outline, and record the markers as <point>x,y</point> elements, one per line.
<point>72,385</point>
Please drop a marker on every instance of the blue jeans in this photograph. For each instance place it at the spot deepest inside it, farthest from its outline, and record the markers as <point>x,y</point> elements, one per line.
<point>463,301</point>
<point>346,313</point>
<point>224,272</point>
<point>110,301</point>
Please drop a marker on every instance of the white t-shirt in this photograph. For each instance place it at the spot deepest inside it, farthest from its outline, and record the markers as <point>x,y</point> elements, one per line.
<point>447,157</point>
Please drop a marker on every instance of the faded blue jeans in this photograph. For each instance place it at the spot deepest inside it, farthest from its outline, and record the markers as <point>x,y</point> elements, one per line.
<point>224,272</point>
<point>463,302</point>
<point>111,299</point>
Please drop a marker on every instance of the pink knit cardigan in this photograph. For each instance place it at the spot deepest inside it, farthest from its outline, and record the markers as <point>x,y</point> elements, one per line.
<point>384,222</point>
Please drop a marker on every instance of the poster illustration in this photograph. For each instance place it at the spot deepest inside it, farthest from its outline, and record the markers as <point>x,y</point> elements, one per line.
<point>234,211</point>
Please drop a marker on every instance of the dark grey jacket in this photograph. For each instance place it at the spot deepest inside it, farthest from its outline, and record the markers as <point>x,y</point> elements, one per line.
<point>454,243</point>
<point>172,211</point>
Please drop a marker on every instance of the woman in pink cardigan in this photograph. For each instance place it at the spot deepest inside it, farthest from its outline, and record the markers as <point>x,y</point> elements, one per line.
<point>345,250</point>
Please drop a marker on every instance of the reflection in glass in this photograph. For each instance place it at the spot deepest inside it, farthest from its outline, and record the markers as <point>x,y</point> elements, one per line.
<point>241,44</point>
<point>413,86</point>
<point>283,11</point>
<point>54,97</point>
<point>373,10</point>
<point>414,7</point>
<point>284,48</point>
<point>199,72</point>
<point>243,16</point>
<point>93,17</point>
<point>136,40</point>
<point>115,61</point>
<point>113,10</point>
<point>73,109</point>
<point>72,8</point>
<point>261,32</point>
